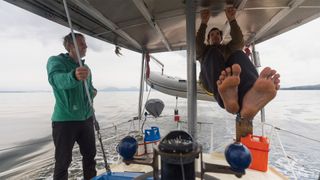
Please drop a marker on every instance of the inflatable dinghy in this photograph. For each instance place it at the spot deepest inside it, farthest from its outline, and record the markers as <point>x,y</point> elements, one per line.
<point>175,86</point>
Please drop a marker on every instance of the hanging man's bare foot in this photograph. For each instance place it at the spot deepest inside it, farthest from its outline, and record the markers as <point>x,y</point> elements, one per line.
<point>263,91</point>
<point>228,87</point>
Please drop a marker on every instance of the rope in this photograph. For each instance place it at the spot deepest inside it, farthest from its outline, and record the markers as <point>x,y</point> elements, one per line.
<point>285,154</point>
<point>182,168</point>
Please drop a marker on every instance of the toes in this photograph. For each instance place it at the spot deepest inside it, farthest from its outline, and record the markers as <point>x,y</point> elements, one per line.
<point>236,69</point>
<point>275,78</point>
<point>223,73</point>
<point>265,72</point>
<point>271,74</point>
<point>228,71</point>
<point>222,77</point>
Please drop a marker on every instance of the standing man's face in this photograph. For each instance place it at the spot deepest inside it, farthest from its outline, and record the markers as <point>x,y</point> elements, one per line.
<point>215,37</point>
<point>81,45</point>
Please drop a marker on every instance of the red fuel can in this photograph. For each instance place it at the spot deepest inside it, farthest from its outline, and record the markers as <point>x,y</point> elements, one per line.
<point>259,148</point>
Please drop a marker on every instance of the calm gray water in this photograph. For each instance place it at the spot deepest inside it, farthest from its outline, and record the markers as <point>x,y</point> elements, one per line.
<point>25,120</point>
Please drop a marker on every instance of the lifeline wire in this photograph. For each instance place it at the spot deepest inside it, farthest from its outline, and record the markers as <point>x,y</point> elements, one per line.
<point>277,128</point>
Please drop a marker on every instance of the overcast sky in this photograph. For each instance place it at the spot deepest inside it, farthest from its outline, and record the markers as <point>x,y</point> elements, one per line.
<point>27,41</point>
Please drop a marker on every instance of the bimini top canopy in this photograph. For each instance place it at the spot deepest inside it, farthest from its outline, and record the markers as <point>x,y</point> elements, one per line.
<point>160,25</point>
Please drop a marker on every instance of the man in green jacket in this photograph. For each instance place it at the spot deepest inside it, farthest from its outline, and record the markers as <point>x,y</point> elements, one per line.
<point>227,72</point>
<point>72,116</point>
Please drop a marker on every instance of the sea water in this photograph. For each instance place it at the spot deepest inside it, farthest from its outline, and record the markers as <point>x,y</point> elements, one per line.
<point>26,143</point>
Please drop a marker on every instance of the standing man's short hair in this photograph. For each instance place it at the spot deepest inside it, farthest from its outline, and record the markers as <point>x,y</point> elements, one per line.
<point>67,40</point>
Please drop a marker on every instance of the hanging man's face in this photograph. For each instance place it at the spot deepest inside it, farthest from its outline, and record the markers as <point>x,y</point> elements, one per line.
<point>214,37</point>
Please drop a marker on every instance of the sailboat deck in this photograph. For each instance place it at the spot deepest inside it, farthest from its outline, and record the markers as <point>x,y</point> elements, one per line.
<point>215,158</point>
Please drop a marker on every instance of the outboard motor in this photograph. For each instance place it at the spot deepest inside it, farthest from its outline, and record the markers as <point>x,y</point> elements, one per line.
<point>178,152</point>
<point>154,107</point>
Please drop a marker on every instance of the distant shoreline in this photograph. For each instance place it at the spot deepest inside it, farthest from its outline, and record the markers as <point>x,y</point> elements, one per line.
<point>307,87</point>
<point>134,89</point>
<point>34,91</point>
<point>293,89</point>
<point>40,91</point>
<point>4,92</point>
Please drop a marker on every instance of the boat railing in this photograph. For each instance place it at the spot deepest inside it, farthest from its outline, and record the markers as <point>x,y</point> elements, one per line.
<point>113,133</point>
<point>159,63</point>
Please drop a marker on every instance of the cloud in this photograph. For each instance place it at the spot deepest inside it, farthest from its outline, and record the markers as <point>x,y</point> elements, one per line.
<point>97,45</point>
<point>183,54</point>
<point>299,44</point>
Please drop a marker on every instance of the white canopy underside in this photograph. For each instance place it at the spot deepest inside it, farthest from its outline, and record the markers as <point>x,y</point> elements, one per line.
<point>160,25</point>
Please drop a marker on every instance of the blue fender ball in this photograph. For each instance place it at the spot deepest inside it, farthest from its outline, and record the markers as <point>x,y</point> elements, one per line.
<point>127,147</point>
<point>238,156</point>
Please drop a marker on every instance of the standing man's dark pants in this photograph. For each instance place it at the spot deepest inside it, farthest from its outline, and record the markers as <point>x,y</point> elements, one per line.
<point>65,134</point>
<point>214,63</point>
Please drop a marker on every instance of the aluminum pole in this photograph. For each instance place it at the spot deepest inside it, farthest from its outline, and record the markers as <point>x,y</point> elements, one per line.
<point>191,68</point>
<point>141,86</point>
<point>95,122</point>
<point>257,64</point>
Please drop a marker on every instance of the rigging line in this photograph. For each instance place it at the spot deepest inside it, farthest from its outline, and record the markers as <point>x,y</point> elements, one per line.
<point>198,122</point>
<point>145,118</point>
<point>114,137</point>
<point>144,108</point>
<point>116,125</point>
<point>96,124</point>
<point>290,132</point>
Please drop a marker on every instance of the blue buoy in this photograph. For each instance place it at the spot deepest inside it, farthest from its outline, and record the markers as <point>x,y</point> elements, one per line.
<point>127,147</point>
<point>238,156</point>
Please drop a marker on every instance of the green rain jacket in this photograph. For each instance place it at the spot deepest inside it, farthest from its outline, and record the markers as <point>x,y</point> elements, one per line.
<point>71,100</point>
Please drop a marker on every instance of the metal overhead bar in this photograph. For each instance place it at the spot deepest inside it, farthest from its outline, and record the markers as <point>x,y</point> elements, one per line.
<point>139,22</point>
<point>226,28</point>
<point>157,17</point>
<point>51,11</point>
<point>310,7</point>
<point>266,8</point>
<point>275,19</point>
<point>151,21</point>
<point>84,5</point>
<point>157,60</point>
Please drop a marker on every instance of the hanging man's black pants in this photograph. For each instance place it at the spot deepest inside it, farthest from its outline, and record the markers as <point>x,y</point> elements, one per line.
<point>214,62</point>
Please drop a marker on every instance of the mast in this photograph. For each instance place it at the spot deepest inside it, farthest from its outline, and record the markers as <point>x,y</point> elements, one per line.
<point>191,69</point>
<point>141,86</point>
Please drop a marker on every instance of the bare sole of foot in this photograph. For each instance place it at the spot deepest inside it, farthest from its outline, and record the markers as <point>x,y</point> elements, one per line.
<point>228,83</point>
<point>263,91</point>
